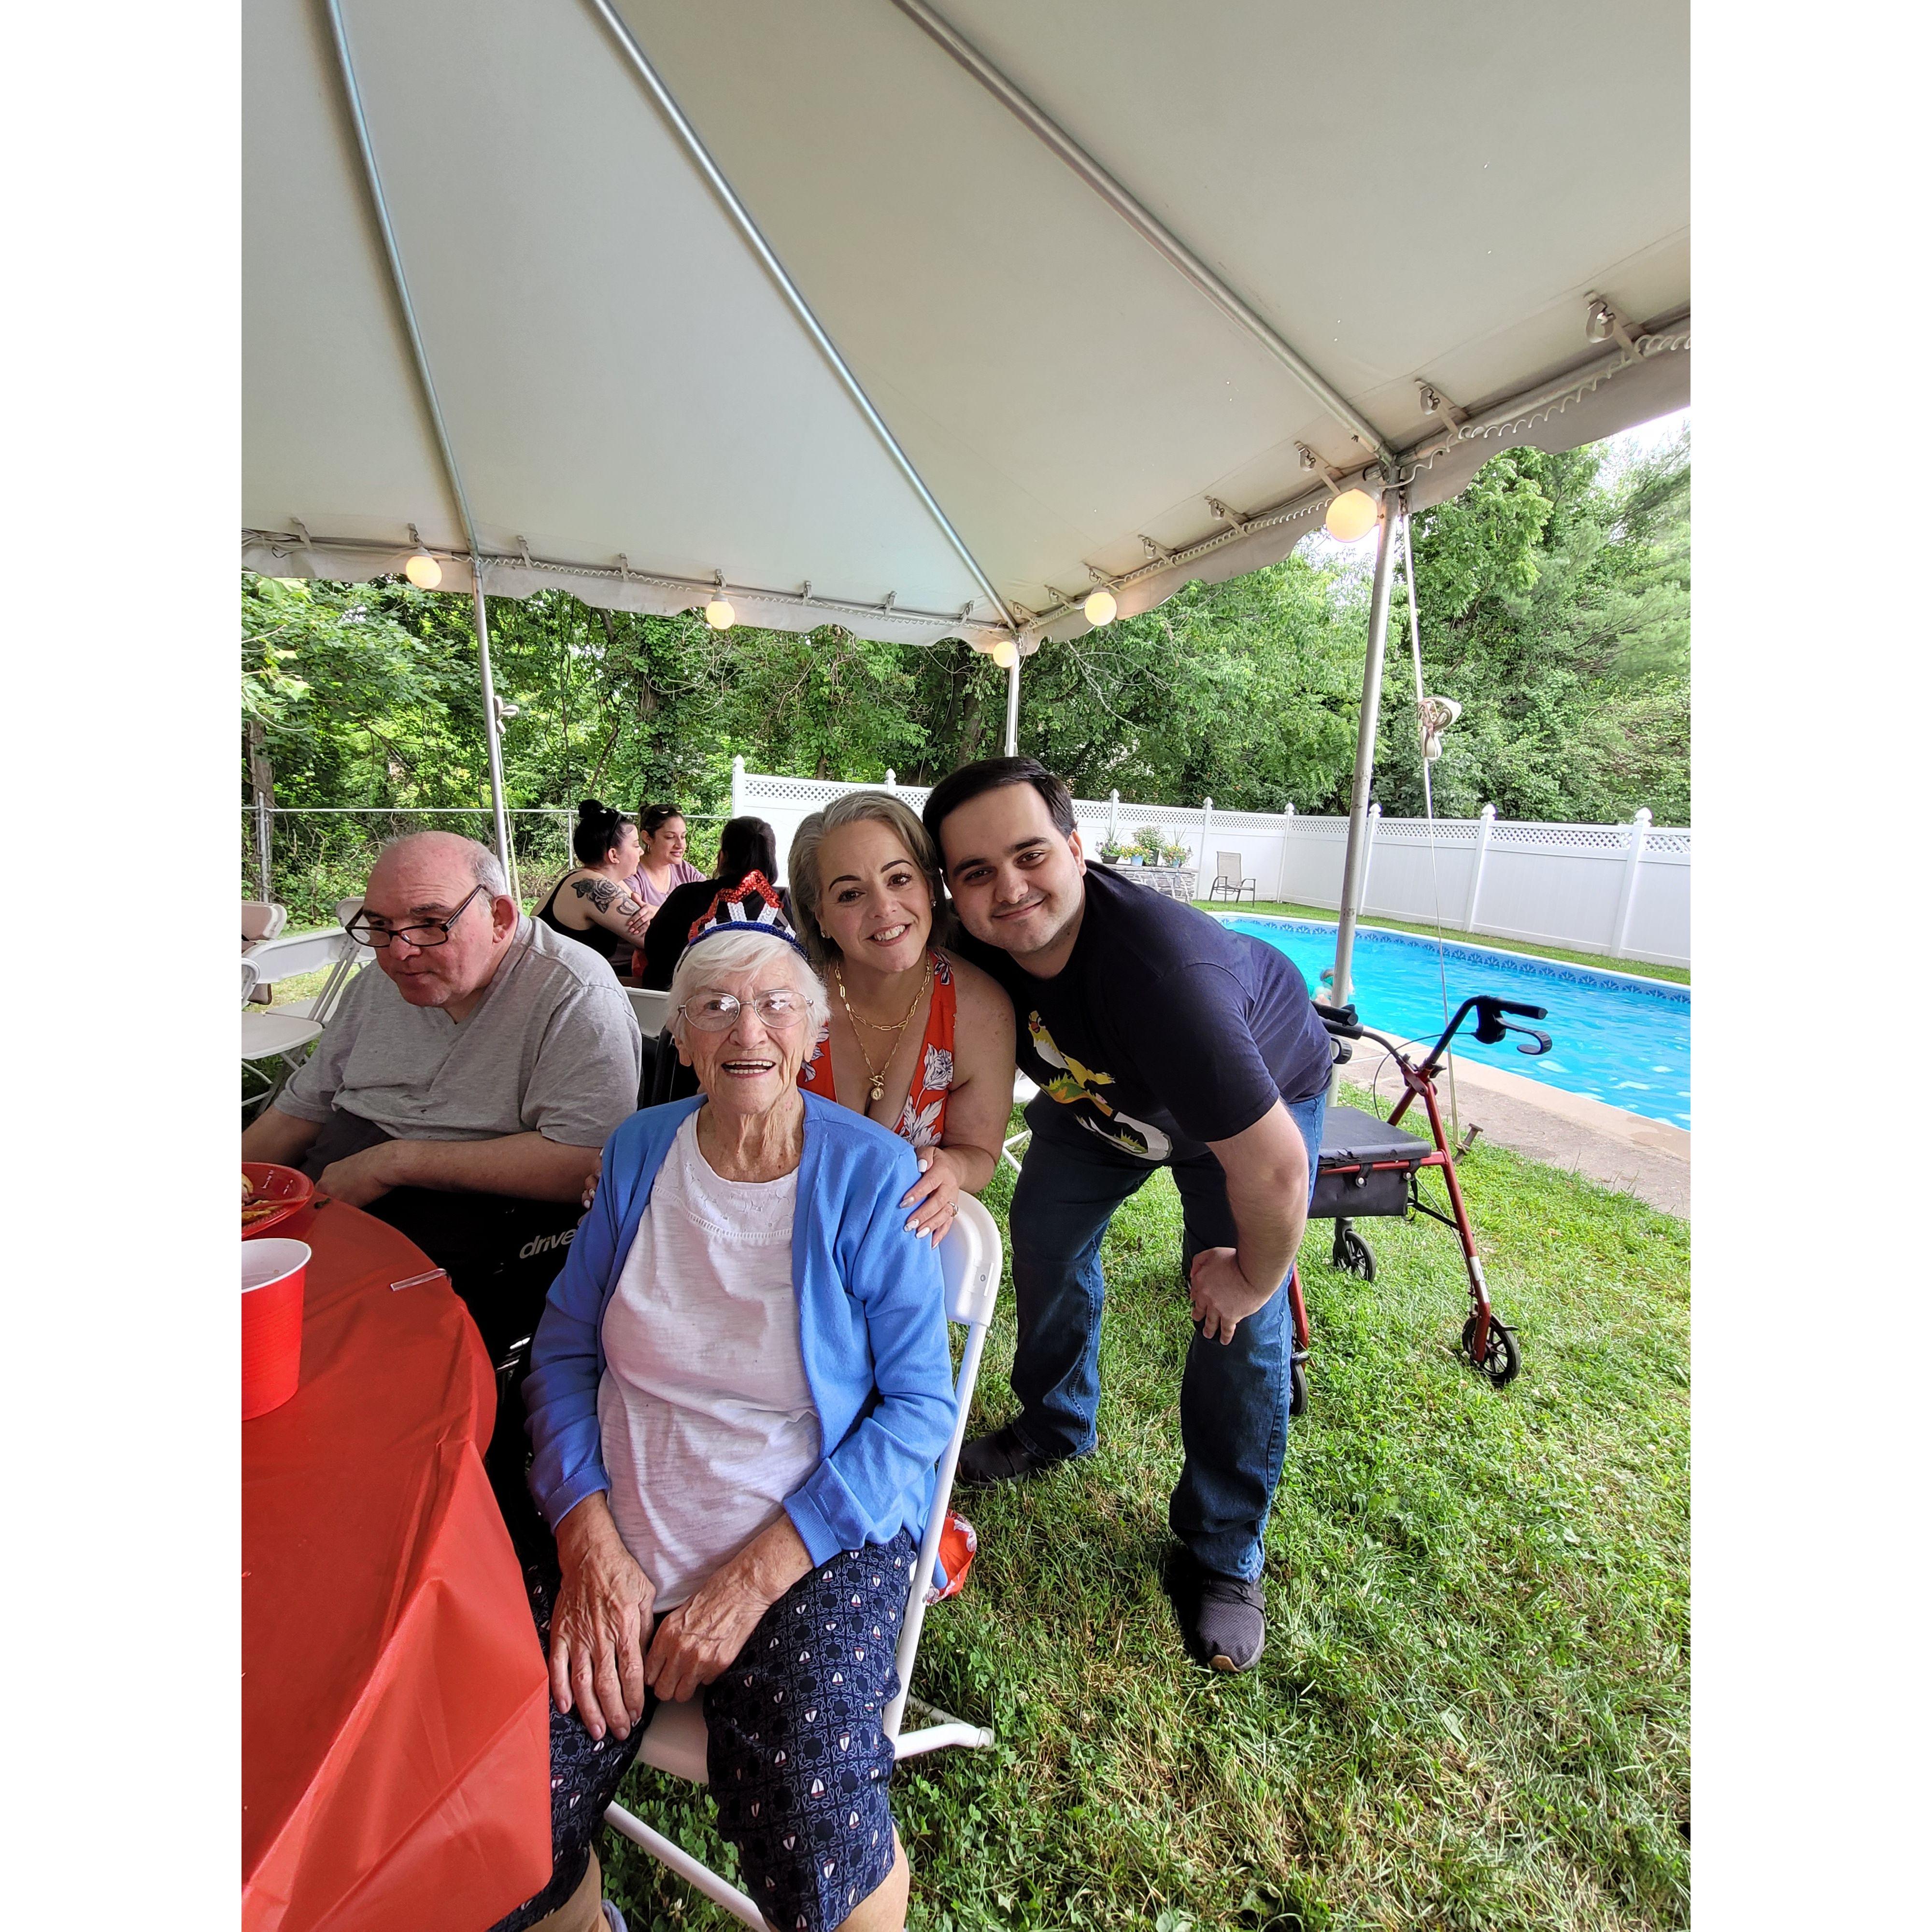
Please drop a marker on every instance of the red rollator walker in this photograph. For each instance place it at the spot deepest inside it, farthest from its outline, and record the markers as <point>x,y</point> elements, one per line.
<point>1370,1167</point>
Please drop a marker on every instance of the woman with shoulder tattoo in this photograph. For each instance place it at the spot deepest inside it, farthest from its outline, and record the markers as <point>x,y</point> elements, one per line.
<point>593,903</point>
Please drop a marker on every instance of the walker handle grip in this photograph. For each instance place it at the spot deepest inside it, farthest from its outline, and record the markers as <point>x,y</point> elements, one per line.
<point>1340,1021</point>
<point>1522,1012</point>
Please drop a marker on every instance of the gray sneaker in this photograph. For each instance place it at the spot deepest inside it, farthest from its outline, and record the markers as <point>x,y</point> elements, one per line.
<point>1221,1617</point>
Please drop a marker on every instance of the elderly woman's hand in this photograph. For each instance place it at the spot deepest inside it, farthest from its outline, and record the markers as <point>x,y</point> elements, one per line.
<point>597,1630</point>
<point>591,1180</point>
<point>934,1196</point>
<point>696,1642</point>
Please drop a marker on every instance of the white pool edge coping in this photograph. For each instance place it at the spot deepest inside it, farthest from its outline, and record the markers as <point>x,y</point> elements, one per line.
<point>1466,943</point>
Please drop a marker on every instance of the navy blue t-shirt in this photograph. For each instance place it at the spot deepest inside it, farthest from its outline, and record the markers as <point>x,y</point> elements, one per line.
<point>1165,1029</point>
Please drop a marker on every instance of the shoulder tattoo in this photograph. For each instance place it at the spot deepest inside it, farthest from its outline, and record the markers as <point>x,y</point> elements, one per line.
<point>601,893</point>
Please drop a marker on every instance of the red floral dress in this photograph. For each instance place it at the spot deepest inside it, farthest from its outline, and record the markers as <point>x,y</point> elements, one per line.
<point>921,1120</point>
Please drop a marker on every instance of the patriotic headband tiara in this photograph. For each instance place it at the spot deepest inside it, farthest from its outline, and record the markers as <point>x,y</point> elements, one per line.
<point>752,905</point>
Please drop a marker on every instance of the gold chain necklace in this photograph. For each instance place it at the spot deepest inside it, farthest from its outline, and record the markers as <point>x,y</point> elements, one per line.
<point>878,1073</point>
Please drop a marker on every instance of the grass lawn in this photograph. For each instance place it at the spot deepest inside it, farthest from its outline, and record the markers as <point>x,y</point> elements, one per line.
<point>1473,1708</point>
<point>1281,909</point>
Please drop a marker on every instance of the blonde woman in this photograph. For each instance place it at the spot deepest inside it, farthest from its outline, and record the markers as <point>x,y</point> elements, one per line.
<point>918,1039</point>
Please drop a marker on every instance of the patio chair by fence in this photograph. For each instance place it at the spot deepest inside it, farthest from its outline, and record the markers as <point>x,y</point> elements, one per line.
<point>1229,883</point>
<point>970,1258</point>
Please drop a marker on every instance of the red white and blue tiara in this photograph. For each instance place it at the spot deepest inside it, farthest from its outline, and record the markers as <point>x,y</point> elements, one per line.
<point>752,905</point>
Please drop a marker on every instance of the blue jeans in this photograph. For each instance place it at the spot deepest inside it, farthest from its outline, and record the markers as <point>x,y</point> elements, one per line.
<point>1233,1396</point>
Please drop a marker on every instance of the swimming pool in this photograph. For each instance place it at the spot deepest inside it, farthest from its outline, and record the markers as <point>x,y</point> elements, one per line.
<point>1617,1038</point>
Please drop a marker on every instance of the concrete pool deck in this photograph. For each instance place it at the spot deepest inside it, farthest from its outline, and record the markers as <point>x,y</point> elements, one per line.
<point>1628,1152</point>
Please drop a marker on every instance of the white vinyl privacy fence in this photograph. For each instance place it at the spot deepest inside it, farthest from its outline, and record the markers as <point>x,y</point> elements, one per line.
<point>1621,890</point>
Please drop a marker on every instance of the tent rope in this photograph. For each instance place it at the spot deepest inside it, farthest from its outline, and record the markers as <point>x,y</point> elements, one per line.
<point>1428,805</point>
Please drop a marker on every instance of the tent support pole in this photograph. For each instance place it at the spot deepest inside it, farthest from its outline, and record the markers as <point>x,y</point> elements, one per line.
<point>399,287</point>
<point>1354,860</point>
<point>1013,705</point>
<point>492,731</point>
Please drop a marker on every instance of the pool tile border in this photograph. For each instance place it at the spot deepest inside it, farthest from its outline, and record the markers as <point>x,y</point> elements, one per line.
<point>1528,965</point>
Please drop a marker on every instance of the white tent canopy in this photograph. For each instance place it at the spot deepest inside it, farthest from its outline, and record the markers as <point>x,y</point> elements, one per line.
<point>925,324</point>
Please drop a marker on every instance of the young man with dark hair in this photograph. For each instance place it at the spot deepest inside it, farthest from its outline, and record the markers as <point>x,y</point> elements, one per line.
<point>1158,1038</point>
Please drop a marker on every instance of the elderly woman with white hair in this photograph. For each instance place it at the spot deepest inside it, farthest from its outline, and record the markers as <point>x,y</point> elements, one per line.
<point>738,1391</point>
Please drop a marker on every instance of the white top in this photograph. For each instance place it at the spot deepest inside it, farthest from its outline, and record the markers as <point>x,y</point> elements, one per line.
<point>707,1422</point>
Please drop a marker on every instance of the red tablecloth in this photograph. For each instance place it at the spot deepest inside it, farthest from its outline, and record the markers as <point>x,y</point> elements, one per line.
<point>395,1712</point>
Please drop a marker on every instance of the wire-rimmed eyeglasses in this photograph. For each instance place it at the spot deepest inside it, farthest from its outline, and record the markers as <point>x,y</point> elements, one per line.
<point>778,1008</point>
<point>432,932</point>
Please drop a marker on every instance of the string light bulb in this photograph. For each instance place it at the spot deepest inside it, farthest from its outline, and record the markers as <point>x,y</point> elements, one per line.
<point>1101,608</point>
<point>423,570</point>
<point>718,613</point>
<point>1351,516</point>
<point>1005,654</point>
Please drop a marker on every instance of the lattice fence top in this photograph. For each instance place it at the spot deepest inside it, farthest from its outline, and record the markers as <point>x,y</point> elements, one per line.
<point>1247,821</point>
<point>763,788</point>
<point>1184,821</point>
<point>1567,837</point>
<point>1153,815</point>
<point>1419,832</point>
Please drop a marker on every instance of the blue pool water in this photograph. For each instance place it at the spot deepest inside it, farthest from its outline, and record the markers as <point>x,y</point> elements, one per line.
<point>1617,1038</point>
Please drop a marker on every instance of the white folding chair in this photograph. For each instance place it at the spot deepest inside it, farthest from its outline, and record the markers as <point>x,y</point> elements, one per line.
<point>268,1033</point>
<point>348,958</point>
<point>969,1259</point>
<point>651,1008</point>
<point>261,919</point>
<point>1024,1091</point>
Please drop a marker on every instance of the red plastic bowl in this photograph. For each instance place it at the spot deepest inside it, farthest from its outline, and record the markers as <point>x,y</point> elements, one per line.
<point>287,1187</point>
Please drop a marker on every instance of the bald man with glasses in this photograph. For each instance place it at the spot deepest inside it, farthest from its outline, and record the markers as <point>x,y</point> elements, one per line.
<point>463,1091</point>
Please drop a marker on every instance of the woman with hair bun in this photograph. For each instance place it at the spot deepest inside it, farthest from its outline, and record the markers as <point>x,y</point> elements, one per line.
<point>593,903</point>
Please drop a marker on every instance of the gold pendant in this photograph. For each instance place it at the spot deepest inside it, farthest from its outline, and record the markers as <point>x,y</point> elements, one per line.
<point>878,1088</point>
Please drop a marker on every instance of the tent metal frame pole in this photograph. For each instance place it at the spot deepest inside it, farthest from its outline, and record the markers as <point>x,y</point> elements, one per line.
<point>1013,706</point>
<point>688,136</point>
<point>1147,225</point>
<point>399,287</point>
<point>1354,858</point>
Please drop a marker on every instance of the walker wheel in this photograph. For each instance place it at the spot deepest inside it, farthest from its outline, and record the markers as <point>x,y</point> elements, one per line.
<point>1351,1253</point>
<point>1504,1358</point>
<point>1297,1390</point>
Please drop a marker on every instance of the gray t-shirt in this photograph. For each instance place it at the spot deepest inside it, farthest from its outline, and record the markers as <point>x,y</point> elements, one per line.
<point>553,1048</point>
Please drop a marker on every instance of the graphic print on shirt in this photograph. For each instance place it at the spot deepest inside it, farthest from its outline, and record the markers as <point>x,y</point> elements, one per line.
<point>1079,1087</point>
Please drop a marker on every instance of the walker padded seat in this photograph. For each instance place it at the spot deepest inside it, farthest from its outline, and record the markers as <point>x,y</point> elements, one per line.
<point>1366,1165</point>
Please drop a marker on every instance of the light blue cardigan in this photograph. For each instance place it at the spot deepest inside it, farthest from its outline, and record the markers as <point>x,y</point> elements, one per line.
<point>872,1328</point>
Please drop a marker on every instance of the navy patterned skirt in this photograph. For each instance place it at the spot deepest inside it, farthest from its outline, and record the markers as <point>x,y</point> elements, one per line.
<point>799,1760</point>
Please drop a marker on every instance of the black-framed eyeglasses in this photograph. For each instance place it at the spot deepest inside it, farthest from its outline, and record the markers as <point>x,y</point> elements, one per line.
<point>432,932</point>
<point>718,1012</point>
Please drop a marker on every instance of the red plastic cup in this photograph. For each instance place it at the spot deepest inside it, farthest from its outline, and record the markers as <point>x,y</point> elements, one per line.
<point>272,1274</point>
